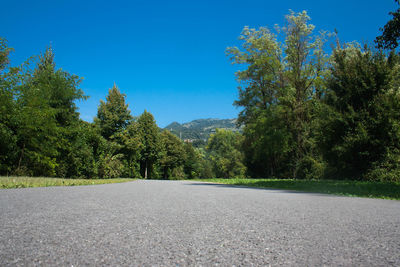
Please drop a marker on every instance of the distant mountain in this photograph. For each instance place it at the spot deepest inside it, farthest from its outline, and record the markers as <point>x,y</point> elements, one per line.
<point>201,129</point>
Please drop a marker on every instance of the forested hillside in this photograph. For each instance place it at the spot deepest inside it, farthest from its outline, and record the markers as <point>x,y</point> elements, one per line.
<point>201,129</point>
<point>311,106</point>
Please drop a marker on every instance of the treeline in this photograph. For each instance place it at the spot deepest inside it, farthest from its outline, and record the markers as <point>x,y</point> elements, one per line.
<point>41,133</point>
<point>311,108</point>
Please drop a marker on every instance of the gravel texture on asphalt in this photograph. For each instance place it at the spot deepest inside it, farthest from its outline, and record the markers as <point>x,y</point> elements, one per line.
<point>181,223</point>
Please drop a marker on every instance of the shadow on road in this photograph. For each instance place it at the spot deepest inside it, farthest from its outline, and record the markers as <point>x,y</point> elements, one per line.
<point>270,190</point>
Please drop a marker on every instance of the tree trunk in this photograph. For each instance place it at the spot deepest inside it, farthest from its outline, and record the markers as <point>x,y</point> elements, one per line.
<point>165,173</point>
<point>21,156</point>
<point>145,170</point>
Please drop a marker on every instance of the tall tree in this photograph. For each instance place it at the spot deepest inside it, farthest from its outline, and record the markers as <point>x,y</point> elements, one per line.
<point>262,81</point>
<point>9,78</point>
<point>282,82</point>
<point>113,116</point>
<point>46,103</point>
<point>150,140</point>
<point>61,91</point>
<point>306,66</point>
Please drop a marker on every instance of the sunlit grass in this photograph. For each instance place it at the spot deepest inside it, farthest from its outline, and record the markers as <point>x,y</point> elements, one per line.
<point>337,187</point>
<point>21,182</point>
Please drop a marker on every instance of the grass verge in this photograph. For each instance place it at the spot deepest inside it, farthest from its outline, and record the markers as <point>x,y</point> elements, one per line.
<point>21,182</point>
<point>344,188</point>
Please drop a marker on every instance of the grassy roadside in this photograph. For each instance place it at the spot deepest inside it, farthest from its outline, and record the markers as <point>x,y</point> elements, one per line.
<point>21,182</point>
<point>344,188</point>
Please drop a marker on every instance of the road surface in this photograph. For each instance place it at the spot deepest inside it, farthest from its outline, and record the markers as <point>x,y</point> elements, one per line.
<point>181,223</point>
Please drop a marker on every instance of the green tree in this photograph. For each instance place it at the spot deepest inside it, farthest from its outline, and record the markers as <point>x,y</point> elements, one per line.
<point>113,116</point>
<point>118,150</point>
<point>150,140</point>
<point>282,82</point>
<point>173,155</point>
<point>37,128</point>
<point>61,89</point>
<point>390,32</point>
<point>360,134</point>
<point>45,100</point>
<point>9,78</point>
<point>226,157</point>
<point>306,66</point>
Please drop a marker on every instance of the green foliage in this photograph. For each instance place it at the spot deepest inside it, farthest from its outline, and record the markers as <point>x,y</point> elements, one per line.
<point>177,173</point>
<point>226,157</point>
<point>8,81</point>
<point>37,116</point>
<point>360,131</point>
<point>61,89</point>
<point>390,32</point>
<point>46,105</point>
<point>110,165</point>
<point>311,167</point>
<point>195,164</point>
<point>113,116</point>
<point>37,128</point>
<point>151,144</point>
<point>131,145</point>
<point>267,146</point>
<point>78,157</point>
<point>120,150</point>
<point>279,88</point>
<point>8,149</point>
<point>173,155</point>
<point>4,54</point>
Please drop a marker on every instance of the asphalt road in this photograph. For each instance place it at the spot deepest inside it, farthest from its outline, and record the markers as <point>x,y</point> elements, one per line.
<point>175,223</point>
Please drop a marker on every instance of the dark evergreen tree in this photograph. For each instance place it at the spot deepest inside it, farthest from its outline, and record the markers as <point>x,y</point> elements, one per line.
<point>113,116</point>
<point>150,139</point>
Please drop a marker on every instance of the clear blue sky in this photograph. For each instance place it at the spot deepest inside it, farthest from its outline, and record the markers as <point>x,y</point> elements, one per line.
<point>168,57</point>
